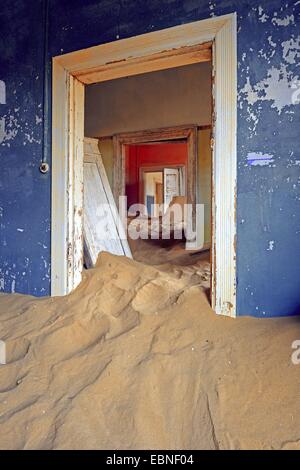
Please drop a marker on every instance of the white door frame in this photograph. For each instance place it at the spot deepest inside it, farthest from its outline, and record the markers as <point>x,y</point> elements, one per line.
<point>158,50</point>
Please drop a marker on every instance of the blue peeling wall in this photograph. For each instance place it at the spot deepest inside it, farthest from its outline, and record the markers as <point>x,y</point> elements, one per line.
<point>24,192</point>
<point>268,202</point>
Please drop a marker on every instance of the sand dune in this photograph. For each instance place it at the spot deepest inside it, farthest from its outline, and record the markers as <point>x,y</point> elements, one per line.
<point>135,358</point>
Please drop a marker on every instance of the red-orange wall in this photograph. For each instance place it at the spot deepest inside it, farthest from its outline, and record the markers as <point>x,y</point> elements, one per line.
<point>152,155</point>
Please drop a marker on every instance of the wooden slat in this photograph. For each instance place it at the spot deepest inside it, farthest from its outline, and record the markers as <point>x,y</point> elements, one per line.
<point>60,173</point>
<point>137,65</point>
<point>78,132</point>
<point>225,172</point>
<point>102,228</point>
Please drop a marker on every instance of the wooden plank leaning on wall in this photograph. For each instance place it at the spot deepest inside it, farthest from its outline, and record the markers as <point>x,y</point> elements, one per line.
<point>102,226</point>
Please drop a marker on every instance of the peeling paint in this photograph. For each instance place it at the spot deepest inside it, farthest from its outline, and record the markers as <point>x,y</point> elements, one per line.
<point>291,50</point>
<point>289,19</point>
<point>262,17</point>
<point>271,42</point>
<point>2,129</point>
<point>277,87</point>
<point>2,92</point>
<point>212,6</point>
<point>9,128</point>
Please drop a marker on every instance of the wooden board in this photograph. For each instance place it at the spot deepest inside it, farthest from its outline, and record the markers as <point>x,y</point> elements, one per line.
<point>103,230</point>
<point>136,65</point>
<point>171,185</point>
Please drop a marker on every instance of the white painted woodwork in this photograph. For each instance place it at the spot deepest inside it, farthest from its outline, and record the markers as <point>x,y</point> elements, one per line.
<point>103,230</point>
<point>67,182</point>
<point>171,185</point>
<point>60,175</point>
<point>154,63</point>
<point>224,171</point>
<point>75,233</point>
<point>144,45</point>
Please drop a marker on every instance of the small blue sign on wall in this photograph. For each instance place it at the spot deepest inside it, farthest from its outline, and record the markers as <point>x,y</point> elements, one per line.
<point>259,159</point>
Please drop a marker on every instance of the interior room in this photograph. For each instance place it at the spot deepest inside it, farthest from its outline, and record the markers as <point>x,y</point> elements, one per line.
<point>156,172</point>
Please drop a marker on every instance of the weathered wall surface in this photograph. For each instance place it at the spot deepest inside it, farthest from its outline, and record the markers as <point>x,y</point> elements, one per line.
<point>268,238</point>
<point>24,191</point>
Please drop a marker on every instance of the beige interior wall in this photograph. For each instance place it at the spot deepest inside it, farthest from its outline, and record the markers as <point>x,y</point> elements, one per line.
<point>150,179</point>
<point>106,150</point>
<point>166,98</point>
<point>204,179</point>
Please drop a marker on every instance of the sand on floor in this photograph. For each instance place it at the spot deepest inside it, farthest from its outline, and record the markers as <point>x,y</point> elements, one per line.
<point>135,358</point>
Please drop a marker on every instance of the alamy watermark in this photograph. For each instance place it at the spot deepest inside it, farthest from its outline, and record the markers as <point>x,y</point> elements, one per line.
<point>159,221</point>
<point>296,354</point>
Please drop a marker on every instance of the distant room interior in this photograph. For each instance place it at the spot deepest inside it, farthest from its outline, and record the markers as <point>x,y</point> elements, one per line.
<point>156,173</point>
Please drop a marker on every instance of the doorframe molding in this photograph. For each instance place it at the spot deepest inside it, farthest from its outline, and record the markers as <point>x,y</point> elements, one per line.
<point>154,169</point>
<point>188,133</point>
<point>167,48</point>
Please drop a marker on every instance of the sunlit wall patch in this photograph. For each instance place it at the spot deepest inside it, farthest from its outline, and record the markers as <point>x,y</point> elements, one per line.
<point>259,159</point>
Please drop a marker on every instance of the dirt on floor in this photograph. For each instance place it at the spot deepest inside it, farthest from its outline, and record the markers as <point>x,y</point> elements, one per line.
<point>134,358</point>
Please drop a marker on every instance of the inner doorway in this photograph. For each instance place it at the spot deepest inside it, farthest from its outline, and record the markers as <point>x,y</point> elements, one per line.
<point>156,176</point>
<point>155,173</point>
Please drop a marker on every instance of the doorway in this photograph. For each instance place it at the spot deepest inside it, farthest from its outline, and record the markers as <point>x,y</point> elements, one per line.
<point>156,184</point>
<point>177,46</point>
<point>151,186</point>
